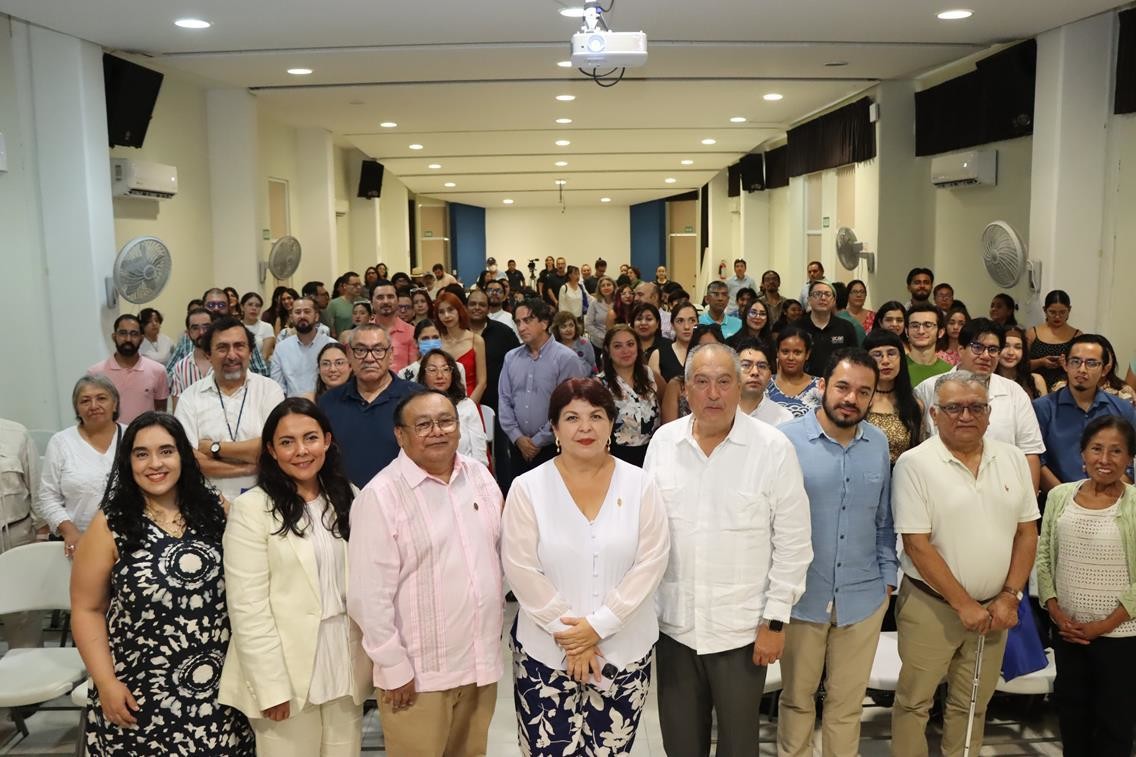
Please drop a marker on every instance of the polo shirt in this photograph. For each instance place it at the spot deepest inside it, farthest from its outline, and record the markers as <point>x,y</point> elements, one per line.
<point>920,373</point>
<point>237,417</point>
<point>294,364</point>
<point>730,324</point>
<point>339,313</point>
<point>971,520</point>
<point>1062,422</point>
<point>849,490</point>
<point>139,386</point>
<point>836,334</point>
<point>404,350</point>
<point>1012,419</point>
<point>364,430</point>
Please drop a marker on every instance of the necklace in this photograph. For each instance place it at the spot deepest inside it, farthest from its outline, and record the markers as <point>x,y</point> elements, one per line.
<point>174,526</point>
<point>885,391</point>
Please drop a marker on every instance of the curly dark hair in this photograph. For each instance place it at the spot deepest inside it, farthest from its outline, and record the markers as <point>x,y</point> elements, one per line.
<point>124,504</point>
<point>640,379</point>
<point>287,504</point>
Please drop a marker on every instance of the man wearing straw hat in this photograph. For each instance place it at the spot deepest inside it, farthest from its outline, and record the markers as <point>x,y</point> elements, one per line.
<point>966,510</point>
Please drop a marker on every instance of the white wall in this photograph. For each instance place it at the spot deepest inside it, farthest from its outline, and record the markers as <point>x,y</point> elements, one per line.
<point>394,225</point>
<point>1118,266</point>
<point>580,235</point>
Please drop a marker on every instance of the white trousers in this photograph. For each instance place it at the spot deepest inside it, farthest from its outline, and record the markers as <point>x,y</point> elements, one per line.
<point>332,729</point>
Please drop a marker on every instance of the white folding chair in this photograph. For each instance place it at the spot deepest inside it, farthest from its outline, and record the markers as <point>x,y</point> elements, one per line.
<point>1038,683</point>
<point>40,580</point>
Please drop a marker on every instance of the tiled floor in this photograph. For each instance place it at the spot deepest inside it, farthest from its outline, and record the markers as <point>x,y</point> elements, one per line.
<point>53,732</point>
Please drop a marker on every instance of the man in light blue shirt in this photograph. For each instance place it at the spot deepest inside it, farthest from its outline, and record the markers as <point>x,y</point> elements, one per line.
<point>294,361</point>
<point>835,625</point>
<point>717,299</point>
<point>739,281</point>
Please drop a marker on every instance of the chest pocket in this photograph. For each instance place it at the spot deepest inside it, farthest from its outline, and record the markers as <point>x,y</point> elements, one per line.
<point>14,491</point>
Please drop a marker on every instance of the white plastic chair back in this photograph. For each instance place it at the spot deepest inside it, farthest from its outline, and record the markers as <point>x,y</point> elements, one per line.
<point>36,577</point>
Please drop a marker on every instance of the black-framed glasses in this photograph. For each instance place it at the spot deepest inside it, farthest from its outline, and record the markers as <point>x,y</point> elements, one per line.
<point>820,294</point>
<point>749,365</point>
<point>956,409</point>
<point>1091,363</point>
<point>131,334</point>
<point>217,305</point>
<point>977,348</point>
<point>360,351</point>
<point>446,425</point>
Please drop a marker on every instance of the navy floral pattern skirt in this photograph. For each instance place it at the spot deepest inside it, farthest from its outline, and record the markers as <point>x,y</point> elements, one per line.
<point>559,717</point>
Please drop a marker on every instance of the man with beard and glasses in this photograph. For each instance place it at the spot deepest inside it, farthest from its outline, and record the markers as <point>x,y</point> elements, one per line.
<point>495,294</point>
<point>141,382</point>
<point>294,364</point>
<point>223,413</point>
<point>836,624</point>
<point>404,348</point>
<point>216,303</point>
<point>920,282</point>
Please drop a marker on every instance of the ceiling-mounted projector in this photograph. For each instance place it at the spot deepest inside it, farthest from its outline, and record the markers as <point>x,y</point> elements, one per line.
<point>599,48</point>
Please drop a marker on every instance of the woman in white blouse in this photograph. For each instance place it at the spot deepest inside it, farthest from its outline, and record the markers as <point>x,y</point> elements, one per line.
<point>251,305</point>
<point>438,370</point>
<point>155,345</point>
<point>295,665</point>
<point>584,545</point>
<point>78,460</point>
<point>570,298</point>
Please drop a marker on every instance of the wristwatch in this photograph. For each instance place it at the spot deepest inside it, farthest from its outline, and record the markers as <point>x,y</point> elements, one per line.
<point>1007,589</point>
<point>215,449</point>
<point>776,626</point>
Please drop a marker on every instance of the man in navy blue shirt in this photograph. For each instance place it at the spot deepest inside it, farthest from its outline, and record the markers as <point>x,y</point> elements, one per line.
<point>835,625</point>
<point>1064,414</point>
<point>362,410</point>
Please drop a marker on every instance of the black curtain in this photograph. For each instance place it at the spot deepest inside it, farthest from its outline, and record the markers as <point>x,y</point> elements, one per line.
<point>846,135</point>
<point>777,168</point>
<point>1126,64</point>
<point>704,218</point>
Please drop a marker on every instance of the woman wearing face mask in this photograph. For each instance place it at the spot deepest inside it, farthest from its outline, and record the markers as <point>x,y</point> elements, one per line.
<point>440,371</point>
<point>894,409</point>
<point>1013,365</point>
<point>428,337</point>
<point>566,330</point>
<point>334,368</point>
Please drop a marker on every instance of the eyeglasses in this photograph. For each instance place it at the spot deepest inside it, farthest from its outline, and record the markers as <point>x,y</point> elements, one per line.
<point>131,334</point>
<point>749,365</point>
<point>340,363</point>
<point>1091,363</point>
<point>405,306</point>
<point>360,351</point>
<point>217,305</point>
<point>820,295</point>
<point>438,370</point>
<point>445,425</point>
<point>978,348</point>
<point>922,326</point>
<point>756,313</point>
<point>956,409</point>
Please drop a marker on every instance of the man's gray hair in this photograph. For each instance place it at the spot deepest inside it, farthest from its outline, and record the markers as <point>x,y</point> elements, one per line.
<point>707,349</point>
<point>960,376</point>
<point>716,285</point>
<point>367,327</point>
<point>96,380</point>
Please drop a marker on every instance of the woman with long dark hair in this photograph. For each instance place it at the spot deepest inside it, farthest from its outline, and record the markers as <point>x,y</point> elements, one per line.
<point>458,339</point>
<point>438,370</point>
<point>262,331</point>
<point>894,409</point>
<point>279,313</point>
<point>1002,310</point>
<point>1013,365</point>
<point>296,665</point>
<point>423,305</point>
<point>1049,341</point>
<point>674,404</point>
<point>148,609</point>
<point>755,325</point>
<point>892,316</point>
<point>636,391</point>
<point>793,388</point>
<point>334,368</point>
<point>791,312</point>
<point>956,319</point>
<point>624,301</point>
<point>672,355</point>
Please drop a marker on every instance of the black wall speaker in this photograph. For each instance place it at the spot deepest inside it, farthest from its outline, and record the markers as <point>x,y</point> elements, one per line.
<point>371,179</point>
<point>753,172</point>
<point>131,92</point>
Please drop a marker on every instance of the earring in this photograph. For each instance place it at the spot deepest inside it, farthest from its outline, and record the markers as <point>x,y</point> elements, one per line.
<point>558,445</point>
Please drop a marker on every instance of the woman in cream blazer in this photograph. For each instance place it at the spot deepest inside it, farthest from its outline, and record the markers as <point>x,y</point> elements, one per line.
<point>295,664</point>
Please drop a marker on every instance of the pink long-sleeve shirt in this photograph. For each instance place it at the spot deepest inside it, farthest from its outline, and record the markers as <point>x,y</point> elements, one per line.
<point>425,576</point>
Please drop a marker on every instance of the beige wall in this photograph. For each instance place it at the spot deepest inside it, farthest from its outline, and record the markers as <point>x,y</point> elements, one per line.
<point>580,235</point>
<point>1119,264</point>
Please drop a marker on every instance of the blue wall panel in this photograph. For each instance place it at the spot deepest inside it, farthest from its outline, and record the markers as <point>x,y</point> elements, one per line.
<point>467,240</point>
<point>649,237</point>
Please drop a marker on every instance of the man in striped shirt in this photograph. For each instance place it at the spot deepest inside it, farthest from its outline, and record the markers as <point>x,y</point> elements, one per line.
<point>195,365</point>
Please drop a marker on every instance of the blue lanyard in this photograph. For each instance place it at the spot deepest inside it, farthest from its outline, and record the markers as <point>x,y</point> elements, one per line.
<point>240,413</point>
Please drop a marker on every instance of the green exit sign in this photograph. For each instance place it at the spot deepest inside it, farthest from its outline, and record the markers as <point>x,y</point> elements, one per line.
<point>688,229</point>
<point>428,233</point>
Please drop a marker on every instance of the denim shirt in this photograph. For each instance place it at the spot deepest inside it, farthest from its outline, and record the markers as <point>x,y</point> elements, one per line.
<point>849,490</point>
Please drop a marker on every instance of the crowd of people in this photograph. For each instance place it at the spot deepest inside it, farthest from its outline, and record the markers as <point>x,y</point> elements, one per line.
<point>346,489</point>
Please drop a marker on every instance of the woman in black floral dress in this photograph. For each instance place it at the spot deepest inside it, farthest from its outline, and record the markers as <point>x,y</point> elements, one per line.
<point>148,605</point>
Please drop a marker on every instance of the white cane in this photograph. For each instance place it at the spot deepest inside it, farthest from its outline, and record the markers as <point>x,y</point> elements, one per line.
<point>974,694</point>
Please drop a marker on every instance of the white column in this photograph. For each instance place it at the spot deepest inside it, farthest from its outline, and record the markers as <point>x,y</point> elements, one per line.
<point>901,193</point>
<point>1072,103</point>
<point>234,186</point>
<point>76,213</point>
<point>314,208</point>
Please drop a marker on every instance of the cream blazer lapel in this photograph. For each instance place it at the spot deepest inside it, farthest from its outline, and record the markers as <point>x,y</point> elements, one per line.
<point>306,554</point>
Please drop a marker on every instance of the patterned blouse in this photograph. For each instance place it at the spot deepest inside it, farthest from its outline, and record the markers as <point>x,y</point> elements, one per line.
<point>798,405</point>
<point>636,417</point>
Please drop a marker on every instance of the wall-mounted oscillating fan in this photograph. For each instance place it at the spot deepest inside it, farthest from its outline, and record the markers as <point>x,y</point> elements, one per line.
<point>141,270</point>
<point>283,259</point>
<point>1004,255</point>
<point>850,251</point>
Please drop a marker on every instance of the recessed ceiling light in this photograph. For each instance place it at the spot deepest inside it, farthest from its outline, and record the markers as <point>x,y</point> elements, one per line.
<point>956,14</point>
<point>709,141</point>
<point>449,185</point>
<point>299,71</point>
<point>772,97</point>
<point>415,146</point>
<point>572,12</point>
<point>670,180</point>
<point>562,143</point>
<point>687,162</point>
<point>507,201</point>
<point>564,120</point>
<point>388,124</point>
<point>605,199</point>
<point>565,98</point>
<point>738,120</point>
<point>434,166</point>
<point>561,182</point>
<point>192,23</point>
<point>564,63</point>
<point>836,63</point>
<point>561,163</point>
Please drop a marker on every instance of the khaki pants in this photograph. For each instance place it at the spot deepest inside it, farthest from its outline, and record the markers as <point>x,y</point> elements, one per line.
<point>21,629</point>
<point>331,729</point>
<point>450,723</point>
<point>933,645</point>
<point>844,656</point>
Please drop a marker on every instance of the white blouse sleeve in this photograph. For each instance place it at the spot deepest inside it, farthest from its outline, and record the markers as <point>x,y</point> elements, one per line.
<point>639,583</point>
<point>473,442</point>
<point>49,503</point>
<point>519,538</point>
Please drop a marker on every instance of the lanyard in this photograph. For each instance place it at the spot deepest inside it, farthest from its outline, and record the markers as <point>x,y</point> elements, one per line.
<point>240,413</point>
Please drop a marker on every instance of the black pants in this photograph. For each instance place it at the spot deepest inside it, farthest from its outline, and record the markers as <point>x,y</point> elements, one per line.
<point>1096,698</point>
<point>691,684</point>
<point>518,464</point>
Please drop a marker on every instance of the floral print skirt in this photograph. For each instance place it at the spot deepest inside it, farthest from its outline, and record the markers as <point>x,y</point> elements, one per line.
<point>559,717</point>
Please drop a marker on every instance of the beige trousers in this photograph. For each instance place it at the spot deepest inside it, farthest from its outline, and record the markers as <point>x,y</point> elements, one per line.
<point>844,656</point>
<point>331,729</point>
<point>450,723</point>
<point>933,645</point>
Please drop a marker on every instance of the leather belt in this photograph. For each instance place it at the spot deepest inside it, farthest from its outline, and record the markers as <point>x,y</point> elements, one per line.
<point>923,587</point>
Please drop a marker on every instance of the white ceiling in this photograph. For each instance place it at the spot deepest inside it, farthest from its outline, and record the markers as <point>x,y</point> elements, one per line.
<point>474,83</point>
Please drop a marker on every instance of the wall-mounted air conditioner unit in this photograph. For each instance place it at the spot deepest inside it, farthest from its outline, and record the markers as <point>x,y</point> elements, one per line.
<point>136,178</point>
<point>965,169</point>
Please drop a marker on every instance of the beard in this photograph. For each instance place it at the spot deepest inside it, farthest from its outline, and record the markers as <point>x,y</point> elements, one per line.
<point>303,327</point>
<point>830,410</point>
<point>127,349</point>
